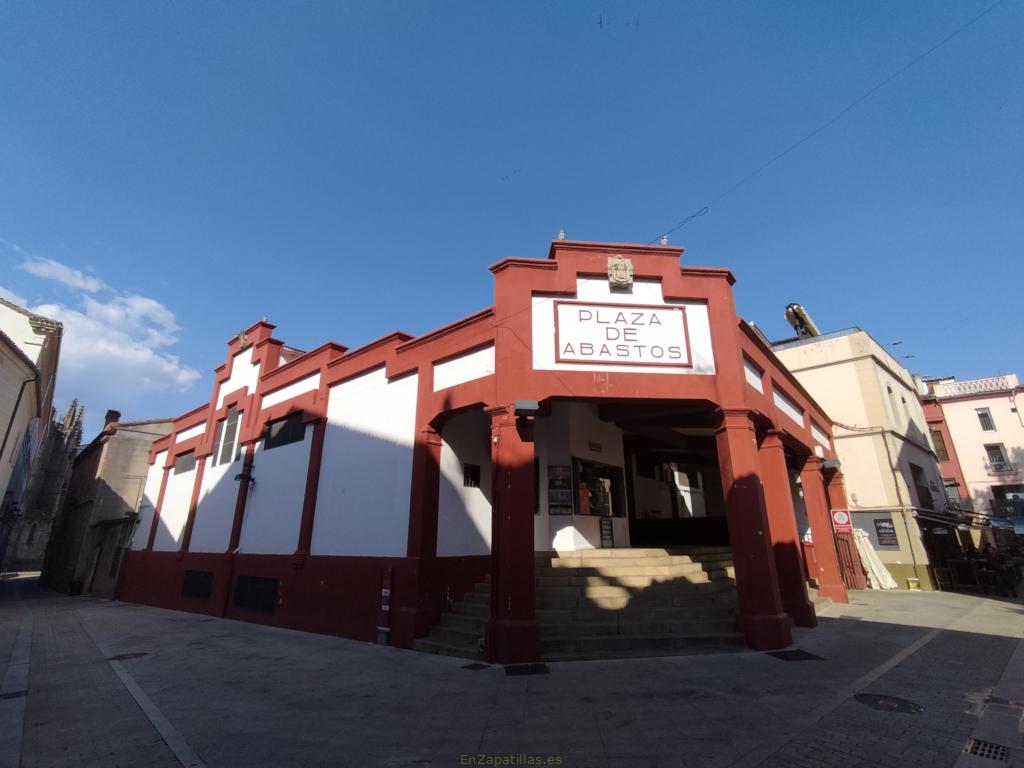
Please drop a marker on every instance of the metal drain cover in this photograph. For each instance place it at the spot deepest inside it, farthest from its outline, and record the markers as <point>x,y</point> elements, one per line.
<point>527,669</point>
<point>475,666</point>
<point>988,750</point>
<point>126,656</point>
<point>889,703</point>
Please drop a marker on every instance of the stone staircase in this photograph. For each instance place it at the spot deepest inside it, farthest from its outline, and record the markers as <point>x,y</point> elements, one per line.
<point>612,603</point>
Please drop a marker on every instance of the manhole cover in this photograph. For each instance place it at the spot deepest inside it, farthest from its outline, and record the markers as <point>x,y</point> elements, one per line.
<point>475,666</point>
<point>126,656</point>
<point>795,655</point>
<point>527,669</point>
<point>988,750</point>
<point>889,703</point>
<point>13,695</point>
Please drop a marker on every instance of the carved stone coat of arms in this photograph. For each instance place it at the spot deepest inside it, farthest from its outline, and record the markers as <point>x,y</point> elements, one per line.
<point>620,272</point>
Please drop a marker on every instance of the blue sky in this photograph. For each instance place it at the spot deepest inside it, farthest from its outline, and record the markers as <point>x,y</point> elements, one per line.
<point>170,172</point>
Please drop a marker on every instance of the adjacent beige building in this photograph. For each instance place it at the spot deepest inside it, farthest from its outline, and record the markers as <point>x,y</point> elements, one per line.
<point>892,476</point>
<point>101,508</point>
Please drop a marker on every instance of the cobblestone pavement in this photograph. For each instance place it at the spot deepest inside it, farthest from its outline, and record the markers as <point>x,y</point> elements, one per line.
<point>185,689</point>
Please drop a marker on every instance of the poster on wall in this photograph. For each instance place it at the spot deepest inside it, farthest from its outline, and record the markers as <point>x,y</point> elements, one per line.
<point>559,490</point>
<point>885,531</point>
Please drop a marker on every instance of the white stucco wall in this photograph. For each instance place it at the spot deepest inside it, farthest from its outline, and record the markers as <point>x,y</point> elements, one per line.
<point>174,511</point>
<point>194,431</point>
<point>150,495</point>
<point>464,514</point>
<point>596,290</point>
<point>363,500</point>
<point>243,374</point>
<point>295,389</point>
<point>215,512</point>
<point>467,367</point>
<point>273,509</point>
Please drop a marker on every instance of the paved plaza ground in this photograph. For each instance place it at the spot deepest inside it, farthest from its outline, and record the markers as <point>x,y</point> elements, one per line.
<point>95,683</point>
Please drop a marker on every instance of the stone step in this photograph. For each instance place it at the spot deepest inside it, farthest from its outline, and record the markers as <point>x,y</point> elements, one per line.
<point>638,628</point>
<point>427,645</point>
<point>480,610</point>
<point>552,617</point>
<point>654,643</point>
<point>633,562</point>
<point>668,600</point>
<point>474,623</point>
<point>633,580</point>
<point>455,636</point>
<point>665,569</point>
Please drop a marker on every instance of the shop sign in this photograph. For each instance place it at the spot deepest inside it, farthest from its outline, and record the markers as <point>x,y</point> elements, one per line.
<point>559,490</point>
<point>885,532</point>
<point>621,334</point>
<point>841,521</point>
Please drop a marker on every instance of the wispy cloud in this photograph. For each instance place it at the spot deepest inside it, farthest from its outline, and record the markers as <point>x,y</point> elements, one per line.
<point>48,269</point>
<point>116,347</point>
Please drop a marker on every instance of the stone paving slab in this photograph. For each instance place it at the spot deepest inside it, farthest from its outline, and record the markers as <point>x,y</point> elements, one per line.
<point>249,695</point>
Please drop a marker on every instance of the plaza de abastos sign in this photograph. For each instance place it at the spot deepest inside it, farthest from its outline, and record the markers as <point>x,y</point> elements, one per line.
<point>621,334</point>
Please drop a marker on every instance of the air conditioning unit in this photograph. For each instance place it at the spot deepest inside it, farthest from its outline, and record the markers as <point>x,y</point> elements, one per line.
<point>999,466</point>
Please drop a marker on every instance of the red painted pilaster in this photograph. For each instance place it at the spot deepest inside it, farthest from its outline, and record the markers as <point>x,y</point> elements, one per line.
<point>761,618</point>
<point>157,508</point>
<point>316,454</point>
<point>830,582</point>
<point>835,492</point>
<point>513,634</point>
<point>186,538</point>
<point>785,537</point>
<point>418,611</point>
<point>240,500</point>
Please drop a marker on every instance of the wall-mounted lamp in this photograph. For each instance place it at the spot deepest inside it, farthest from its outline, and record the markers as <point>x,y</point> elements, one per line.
<point>527,407</point>
<point>246,477</point>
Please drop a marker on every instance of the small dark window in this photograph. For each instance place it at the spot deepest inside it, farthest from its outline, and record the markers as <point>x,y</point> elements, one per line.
<point>290,429</point>
<point>471,475</point>
<point>226,448</point>
<point>985,419</point>
<point>940,445</point>
<point>197,585</point>
<point>185,463</point>
<point>256,593</point>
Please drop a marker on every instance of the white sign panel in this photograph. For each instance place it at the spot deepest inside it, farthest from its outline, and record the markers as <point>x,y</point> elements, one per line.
<point>621,334</point>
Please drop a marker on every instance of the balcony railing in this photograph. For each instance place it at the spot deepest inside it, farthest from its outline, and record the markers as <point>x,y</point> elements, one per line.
<point>1007,507</point>
<point>976,386</point>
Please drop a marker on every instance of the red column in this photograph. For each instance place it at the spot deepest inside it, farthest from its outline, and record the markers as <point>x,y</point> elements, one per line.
<point>418,607</point>
<point>513,634</point>
<point>156,509</point>
<point>761,618</point>
<point>186,539</point>
<point>316,453</point>
<point>835,490</point>
<point>784,535</point>
<point>830,582</point>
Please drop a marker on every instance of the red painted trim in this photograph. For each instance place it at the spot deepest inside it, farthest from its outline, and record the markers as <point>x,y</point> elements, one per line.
<point>446,330</point>
<point>316,452</point>
<point>157,508</point>
<point>558,247</point>
<point>688,363</point>
<point>193,504</point>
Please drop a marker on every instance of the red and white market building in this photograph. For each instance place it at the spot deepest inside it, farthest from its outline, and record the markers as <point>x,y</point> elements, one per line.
<point>587,407</point>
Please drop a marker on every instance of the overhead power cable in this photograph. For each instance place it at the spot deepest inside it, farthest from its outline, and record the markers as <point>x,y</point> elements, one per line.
<point>831,121</point>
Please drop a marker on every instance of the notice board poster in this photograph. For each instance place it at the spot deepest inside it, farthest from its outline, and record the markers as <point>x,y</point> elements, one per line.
<point>885,532</point>
<point>559,490</point>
